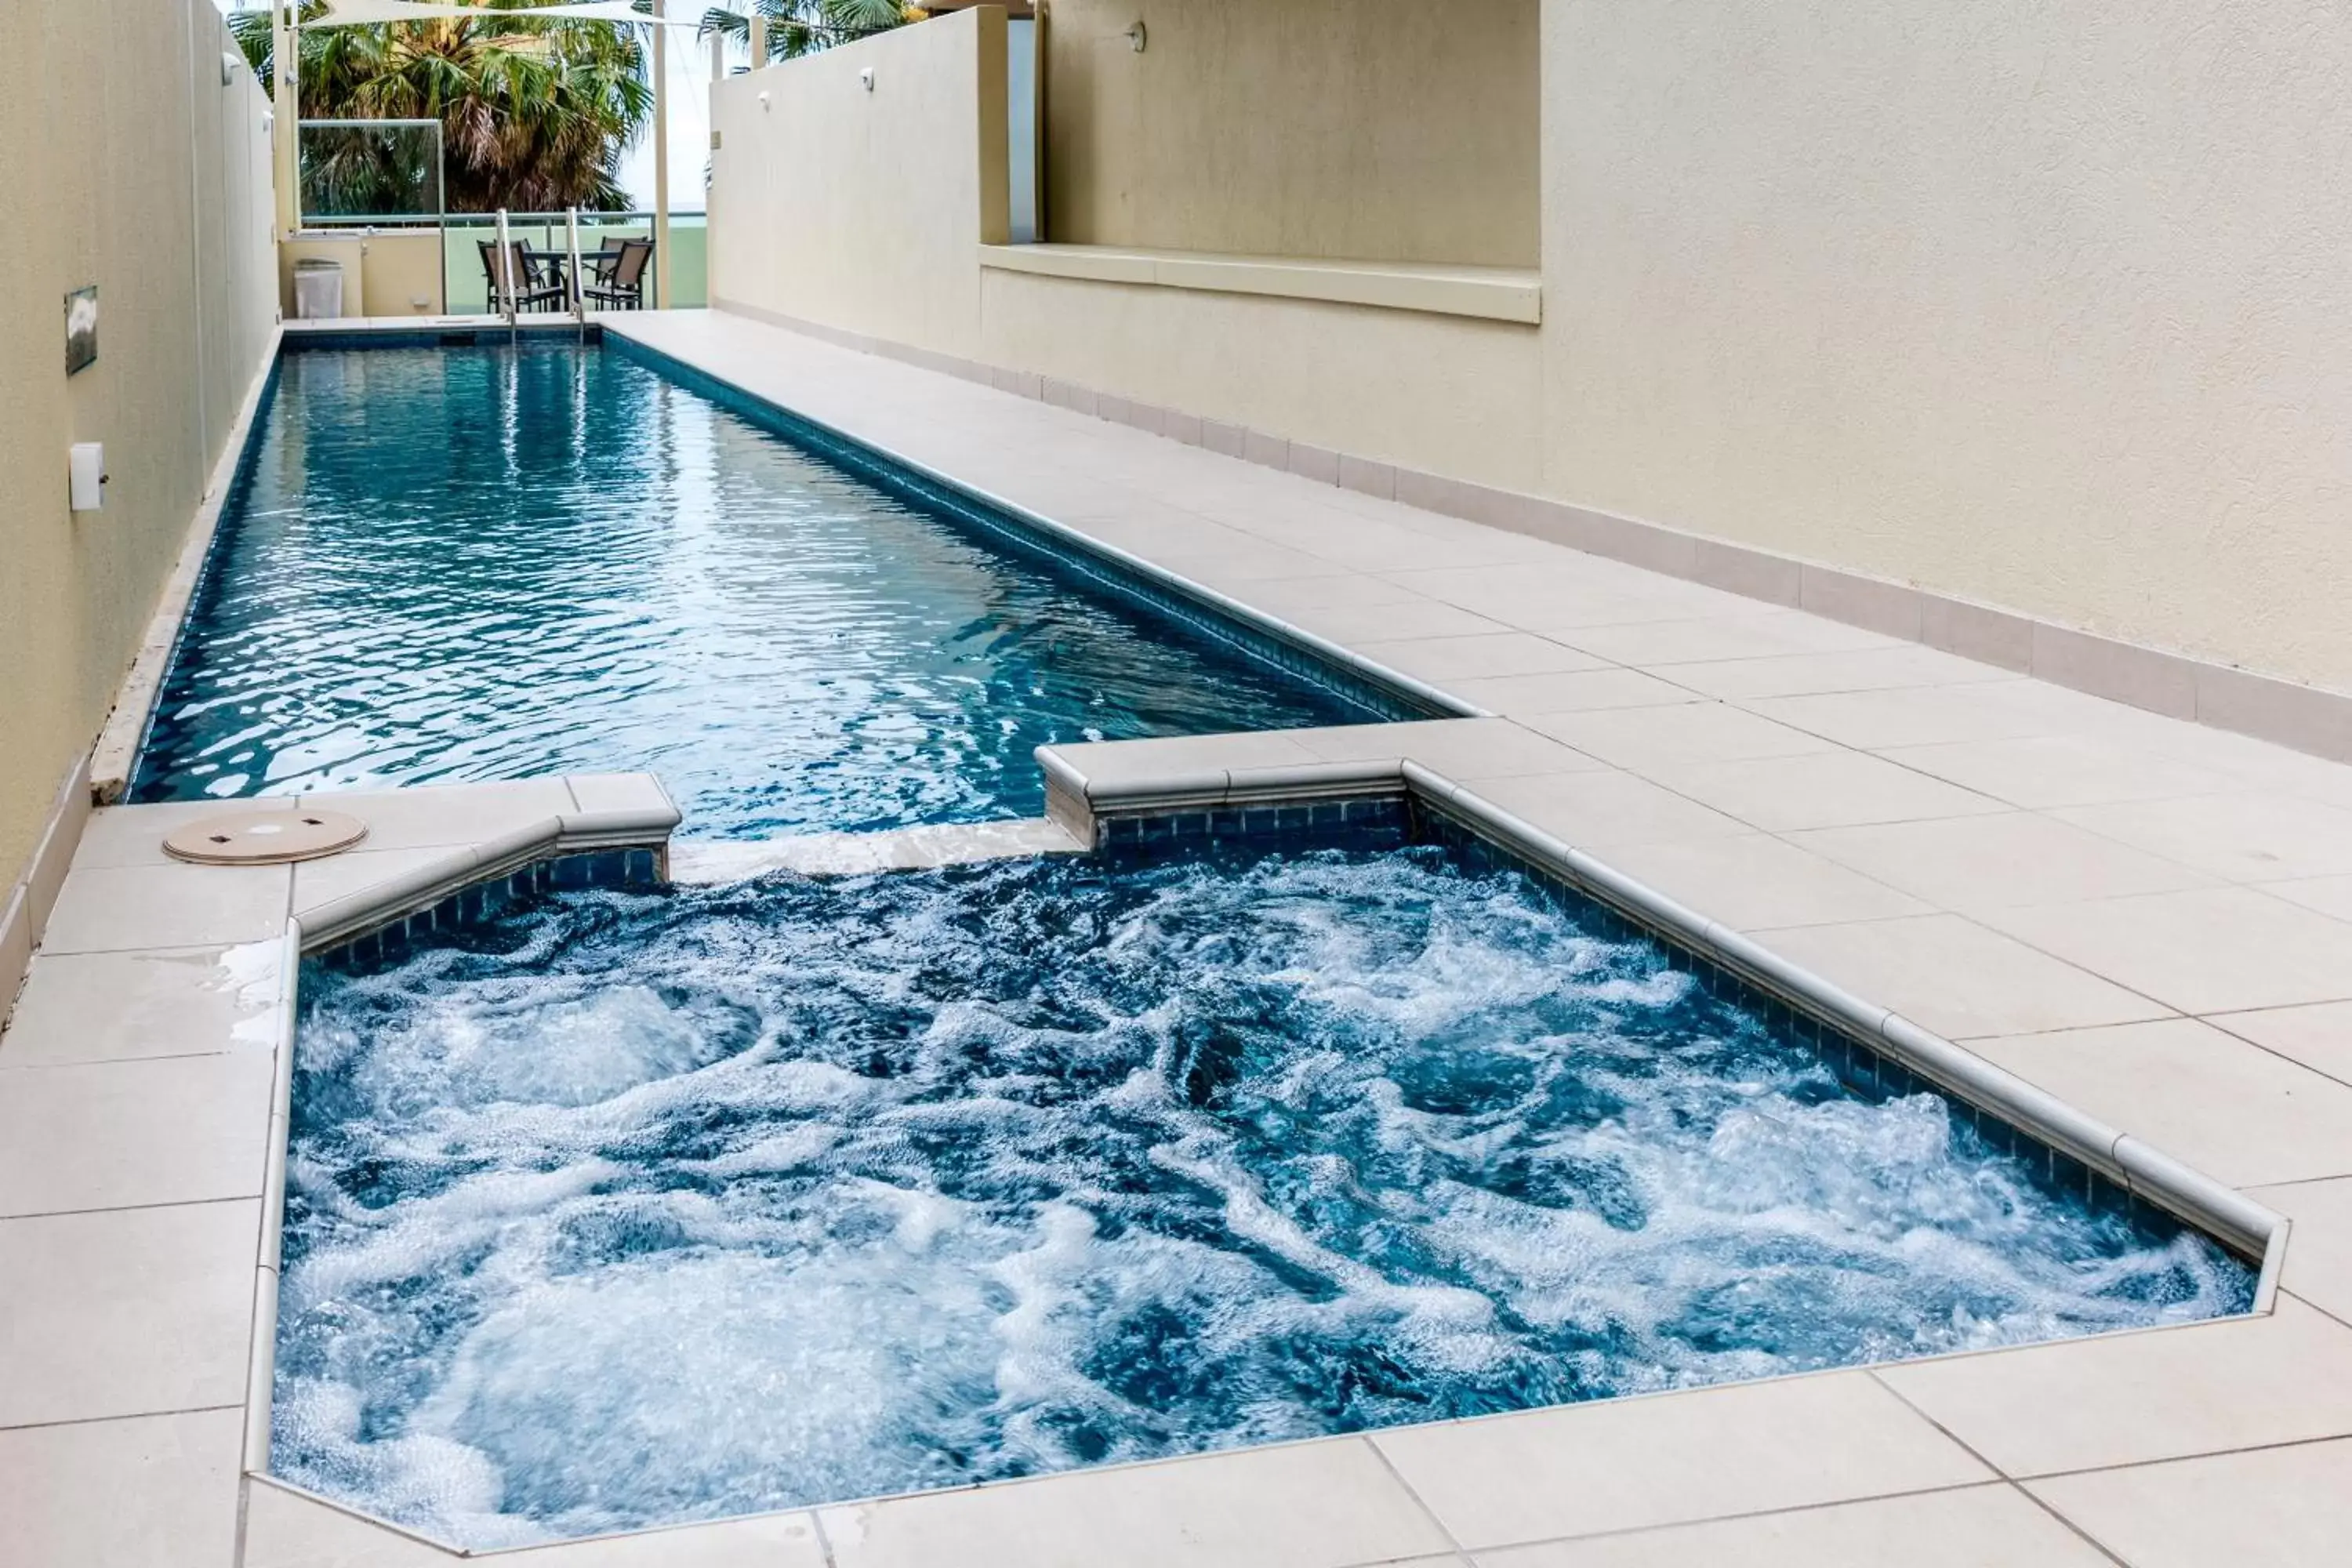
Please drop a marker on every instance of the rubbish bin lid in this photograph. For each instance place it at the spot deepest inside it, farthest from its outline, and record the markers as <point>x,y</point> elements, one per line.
<point>317,263</point>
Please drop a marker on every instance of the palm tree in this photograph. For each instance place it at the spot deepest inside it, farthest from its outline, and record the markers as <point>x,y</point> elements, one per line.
<point>534,114</point>
<point>803,26</point>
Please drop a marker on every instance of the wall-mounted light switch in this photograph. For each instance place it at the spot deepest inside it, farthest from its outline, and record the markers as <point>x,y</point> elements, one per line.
<point>86,470</point>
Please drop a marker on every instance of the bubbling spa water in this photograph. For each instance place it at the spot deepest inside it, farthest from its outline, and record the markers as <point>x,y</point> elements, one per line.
<point>631,1209</point>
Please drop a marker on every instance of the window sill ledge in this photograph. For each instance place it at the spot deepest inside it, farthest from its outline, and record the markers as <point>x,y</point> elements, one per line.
<point>1492,293</point>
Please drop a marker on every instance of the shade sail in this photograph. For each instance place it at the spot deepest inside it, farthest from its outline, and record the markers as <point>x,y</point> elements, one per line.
<point>376,13</point>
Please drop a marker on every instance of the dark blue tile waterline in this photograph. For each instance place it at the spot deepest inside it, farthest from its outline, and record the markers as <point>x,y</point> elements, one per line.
<point>446,564</point>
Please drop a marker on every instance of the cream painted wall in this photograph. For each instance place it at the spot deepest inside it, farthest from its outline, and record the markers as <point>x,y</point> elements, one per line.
<point>1388,130</point>
<point>865,210</point>
<point>2045,305</point>
<point>2048,308</point>
<point>131,167</point>
<point>1445,394</point>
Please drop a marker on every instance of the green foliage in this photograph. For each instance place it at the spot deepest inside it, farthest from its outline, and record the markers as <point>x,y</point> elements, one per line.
<point>535,114</point>
<point>803,26</point>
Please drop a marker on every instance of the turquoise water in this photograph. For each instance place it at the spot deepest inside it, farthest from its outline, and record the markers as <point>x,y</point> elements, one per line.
<point>631,1209</point>
<point>485,564</point>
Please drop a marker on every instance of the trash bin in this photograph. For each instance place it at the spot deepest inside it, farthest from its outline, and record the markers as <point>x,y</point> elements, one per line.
<point>318,290</point>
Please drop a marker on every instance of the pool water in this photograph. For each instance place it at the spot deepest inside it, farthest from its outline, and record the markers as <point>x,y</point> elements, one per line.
<point>487,563</point>
<point>631,1209</point>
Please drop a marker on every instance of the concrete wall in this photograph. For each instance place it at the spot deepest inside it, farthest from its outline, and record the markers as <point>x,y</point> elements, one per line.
<point>2046,306</point>
<point>1387,130</point>
<point>129,165</point>
<point>861,209</point>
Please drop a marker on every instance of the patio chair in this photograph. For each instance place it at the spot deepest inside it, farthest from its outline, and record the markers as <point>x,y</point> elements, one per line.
<point>623,287</point>
<point>532,293</point>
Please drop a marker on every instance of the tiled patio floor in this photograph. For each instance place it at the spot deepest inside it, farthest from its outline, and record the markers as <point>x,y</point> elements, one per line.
<point>2149,918</point>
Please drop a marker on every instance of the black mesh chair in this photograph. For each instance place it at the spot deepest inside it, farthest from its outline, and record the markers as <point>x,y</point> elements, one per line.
<point>532,293</point>
<point>623,286</point>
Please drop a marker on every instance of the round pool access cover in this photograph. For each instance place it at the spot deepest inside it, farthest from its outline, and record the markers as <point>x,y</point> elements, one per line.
<point>265,838</point>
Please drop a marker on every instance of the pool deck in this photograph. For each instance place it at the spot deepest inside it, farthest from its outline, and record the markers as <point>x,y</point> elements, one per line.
<point>2151,920</point>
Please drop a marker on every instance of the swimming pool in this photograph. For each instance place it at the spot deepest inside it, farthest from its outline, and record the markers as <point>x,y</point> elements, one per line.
<point>452,565</point>
<point>624,1209</point>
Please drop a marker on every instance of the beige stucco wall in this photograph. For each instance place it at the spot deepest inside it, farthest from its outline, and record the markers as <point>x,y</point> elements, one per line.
<point>1390,129</point>
<point>2043,307</point>
<point>865,210</point>
<point>1448,395</point>
<point>131,167</point>
<point>2046,305</point>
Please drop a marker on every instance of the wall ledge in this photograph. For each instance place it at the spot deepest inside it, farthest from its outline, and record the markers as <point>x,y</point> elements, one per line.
<point>1444,288</point>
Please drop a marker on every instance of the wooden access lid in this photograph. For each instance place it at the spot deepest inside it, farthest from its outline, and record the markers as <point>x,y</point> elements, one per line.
<point>265,838</point>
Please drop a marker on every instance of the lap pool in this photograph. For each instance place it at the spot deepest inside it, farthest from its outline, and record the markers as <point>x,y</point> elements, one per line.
<point>464,563</point>
<point>621,1210</point>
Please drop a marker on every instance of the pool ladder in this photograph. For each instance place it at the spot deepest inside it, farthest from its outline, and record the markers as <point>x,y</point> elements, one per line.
<point>575,294</point>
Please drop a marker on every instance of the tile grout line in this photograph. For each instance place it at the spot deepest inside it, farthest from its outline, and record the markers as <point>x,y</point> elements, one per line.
<point>1371,1441</point>
<point>132,1208</point>
<point>2198,1457</point>
<point>2006,1480</point>
<point>124,1416</point>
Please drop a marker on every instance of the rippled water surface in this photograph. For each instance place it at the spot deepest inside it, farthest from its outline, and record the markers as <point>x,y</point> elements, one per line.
<point>459,564</point>
<point>633,1209</point>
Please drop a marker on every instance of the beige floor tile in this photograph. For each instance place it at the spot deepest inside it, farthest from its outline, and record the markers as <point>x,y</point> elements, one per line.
<point>1976,863</point>
<point>116,910</point>
<point>126,1311</point>
<point>1764,635</point>
<point>1229,568</point>
<point>1172,756</point>
<point>284,1529</point>
<point>1864,669</point>
<point>2319,1035</point>
<point>1635,1463</point>
<point>1464,750</point>
<point>1820,789</point>
<point>2125,1399</point>
<point>1993,1526</point>
<point>1580,691</point>
<point>124,1007</point>
<point>1919,716</point>
<point>2278,1507</point>
<point>1289,599</point>
<point>2247,836</point>
<point>1957,978</point>
<point>1423,618</point>
<point>134,834</point>
<point>1490,654</point>
<point>1643,739</point>
<point>171,1130</point>
<point>619,792</point>
<point>2233,1111</point>
<point>429,815</point>
<point>2045,771</point>
<point>155,1492</point>
<point>1595,809</point>
<point>1758,880</point>
<point>1314,1505</point>
<point>2331,896</point>
<point>2215,950</point>
<point>769,1540</point>
<point>2319,1246</point>
<point>320,882</point>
